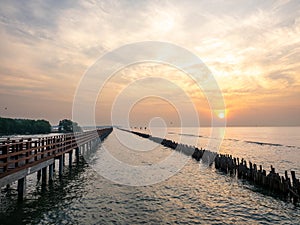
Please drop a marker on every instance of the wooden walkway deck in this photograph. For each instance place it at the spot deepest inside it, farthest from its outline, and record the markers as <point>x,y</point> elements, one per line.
<point>19,158</point>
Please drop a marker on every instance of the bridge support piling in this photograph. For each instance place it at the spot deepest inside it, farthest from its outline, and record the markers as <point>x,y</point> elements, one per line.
<point>40,154</point>
<point>77,154</point>
<point>84,148</point>
<point>70,158</point>
<point>61,165</point>
<point>39,174</point>
<point>44,176</point>
<point>51,167</point>
<point>63,159</point>
<point>21,188</point>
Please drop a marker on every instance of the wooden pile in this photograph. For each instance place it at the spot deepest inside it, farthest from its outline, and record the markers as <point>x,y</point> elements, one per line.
<point>273,182</point>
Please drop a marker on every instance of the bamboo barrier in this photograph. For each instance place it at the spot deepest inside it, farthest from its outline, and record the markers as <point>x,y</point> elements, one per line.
<point>287,187</point>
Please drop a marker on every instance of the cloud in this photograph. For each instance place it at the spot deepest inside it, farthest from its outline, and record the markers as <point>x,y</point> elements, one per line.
<point>252,47</point>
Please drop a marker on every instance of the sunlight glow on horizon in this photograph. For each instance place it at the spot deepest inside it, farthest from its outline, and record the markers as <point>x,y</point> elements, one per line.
<point>252,49</point>
<point>221,115</point>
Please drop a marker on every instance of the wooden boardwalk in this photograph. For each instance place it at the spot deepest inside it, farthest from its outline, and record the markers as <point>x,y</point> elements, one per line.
<point>19,158</point>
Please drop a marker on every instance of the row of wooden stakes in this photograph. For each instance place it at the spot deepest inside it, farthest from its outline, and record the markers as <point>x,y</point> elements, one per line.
<point>273,182</point>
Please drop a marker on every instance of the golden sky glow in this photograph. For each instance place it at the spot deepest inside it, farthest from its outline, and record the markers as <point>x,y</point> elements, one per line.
<point>251,47</point>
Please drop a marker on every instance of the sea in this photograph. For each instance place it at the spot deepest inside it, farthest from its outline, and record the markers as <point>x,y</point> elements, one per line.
<point>127,179</point>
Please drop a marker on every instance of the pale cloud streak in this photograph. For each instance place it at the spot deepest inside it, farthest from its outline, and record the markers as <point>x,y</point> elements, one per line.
<point>252,48</point>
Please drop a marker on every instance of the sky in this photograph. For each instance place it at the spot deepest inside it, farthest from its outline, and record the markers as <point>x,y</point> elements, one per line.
<point>252,49</point>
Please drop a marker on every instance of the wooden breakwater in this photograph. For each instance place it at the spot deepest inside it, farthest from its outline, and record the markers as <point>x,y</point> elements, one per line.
<point>19,158</point>
<point>286,187</point>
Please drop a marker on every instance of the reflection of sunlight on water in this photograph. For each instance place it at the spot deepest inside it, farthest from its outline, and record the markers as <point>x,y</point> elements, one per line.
<point>236,143</point>
<point>243,142</point>
<point>194,194</point>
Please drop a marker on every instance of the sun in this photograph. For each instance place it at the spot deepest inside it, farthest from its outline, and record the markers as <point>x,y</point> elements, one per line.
<point>221,115</point>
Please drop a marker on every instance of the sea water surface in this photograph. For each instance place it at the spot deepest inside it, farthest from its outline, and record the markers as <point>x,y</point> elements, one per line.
<point>196,194</point>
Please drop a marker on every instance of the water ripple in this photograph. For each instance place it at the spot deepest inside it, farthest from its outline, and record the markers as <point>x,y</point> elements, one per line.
<point>192,196</point>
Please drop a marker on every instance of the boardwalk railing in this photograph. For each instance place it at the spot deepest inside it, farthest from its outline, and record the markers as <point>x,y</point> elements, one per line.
<point>16,155</point>
<point>19,158</point>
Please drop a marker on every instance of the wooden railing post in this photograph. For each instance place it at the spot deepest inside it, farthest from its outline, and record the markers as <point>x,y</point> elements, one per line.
<point>4,152</point>
<point>16,155</point>
<point>48,142</point>
<point>36,150</point>
<point>28,147</point>
<point>21,155</point>
<point>14,148</point>
<point>41,147</point>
